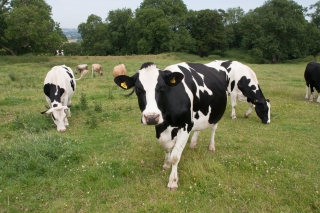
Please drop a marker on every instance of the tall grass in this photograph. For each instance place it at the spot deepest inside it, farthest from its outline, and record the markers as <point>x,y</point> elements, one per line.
<point>107,161</point>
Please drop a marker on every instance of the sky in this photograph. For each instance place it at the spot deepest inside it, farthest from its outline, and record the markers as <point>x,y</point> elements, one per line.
<point>71,13</point>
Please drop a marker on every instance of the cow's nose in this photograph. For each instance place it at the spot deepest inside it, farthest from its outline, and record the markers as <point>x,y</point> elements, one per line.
<point>152,119</point>
<point>62,130</point>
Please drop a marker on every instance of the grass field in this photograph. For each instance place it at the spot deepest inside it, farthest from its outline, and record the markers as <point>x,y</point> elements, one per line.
<point>107,161</point>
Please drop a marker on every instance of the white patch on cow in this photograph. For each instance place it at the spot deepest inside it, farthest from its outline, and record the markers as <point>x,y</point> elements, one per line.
<point>149,79</point>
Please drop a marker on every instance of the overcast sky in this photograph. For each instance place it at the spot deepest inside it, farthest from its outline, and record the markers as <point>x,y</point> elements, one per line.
<point>71,13</point>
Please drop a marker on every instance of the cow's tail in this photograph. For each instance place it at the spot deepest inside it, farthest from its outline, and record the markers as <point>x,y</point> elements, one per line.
<point>82,74</point>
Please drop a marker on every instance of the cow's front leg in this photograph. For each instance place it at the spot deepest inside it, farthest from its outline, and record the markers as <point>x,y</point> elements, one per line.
<point>249,110</point>
<point>307,90</point>
<point>167,142</point>
<point>318,100</point>
<point>176,152</point>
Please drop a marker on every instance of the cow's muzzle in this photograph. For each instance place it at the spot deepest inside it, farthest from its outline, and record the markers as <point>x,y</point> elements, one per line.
<point>152,119</point>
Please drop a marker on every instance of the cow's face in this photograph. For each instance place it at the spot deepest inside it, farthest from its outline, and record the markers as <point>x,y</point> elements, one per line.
<point>58,115</point>
<point>263,110</point>
<point>150,85</point>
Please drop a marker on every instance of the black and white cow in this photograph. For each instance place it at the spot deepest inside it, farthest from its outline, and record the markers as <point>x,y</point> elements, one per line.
<point>184,97</point>
<point>59,53</point>
<point>244,86</point>
<point>312,77</point>
<point>59,87</point>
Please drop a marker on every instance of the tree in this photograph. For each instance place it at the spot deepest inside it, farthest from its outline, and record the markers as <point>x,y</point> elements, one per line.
<point>94,36</point>
<point>117,22</point>
<point>28,27</point>
<point>276,31</point>
<point>315,16</point>
<point>208,31</point>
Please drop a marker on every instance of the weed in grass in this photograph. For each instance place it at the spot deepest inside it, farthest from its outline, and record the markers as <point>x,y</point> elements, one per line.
<point>92,121</point>
<point>97,106</point>
<point>12,76</point>
<point>83,101</point>
<point>31,123</point>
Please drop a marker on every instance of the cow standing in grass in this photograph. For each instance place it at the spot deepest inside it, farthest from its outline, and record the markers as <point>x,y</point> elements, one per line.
<point>312,78</point>
<point>244,86</point>
<point>184,97</point>
<point>59,87</point>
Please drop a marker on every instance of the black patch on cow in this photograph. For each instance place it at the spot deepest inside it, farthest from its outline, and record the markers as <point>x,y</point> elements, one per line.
<point>146,64</point>
<point>233,83</point>
<point>174,133</point>
<point>55,105</point>
<point>227,64</point>
<point>197,115</point>
<point>50,90</point>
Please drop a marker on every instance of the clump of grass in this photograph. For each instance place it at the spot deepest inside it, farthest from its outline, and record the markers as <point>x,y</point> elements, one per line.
<point>98,107</point>
<point>31,123</point>
<point>83,101</point>
<point>12,76</point>
<point>92,121</point>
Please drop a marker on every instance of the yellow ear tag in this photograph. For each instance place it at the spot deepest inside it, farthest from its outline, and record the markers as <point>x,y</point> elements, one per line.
<point>124,85</point>
<point>173,80</point>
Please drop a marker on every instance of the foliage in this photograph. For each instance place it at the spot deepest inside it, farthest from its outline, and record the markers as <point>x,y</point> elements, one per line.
<point>276,31</point>
<point>315,16</point>
<point>29,28</point>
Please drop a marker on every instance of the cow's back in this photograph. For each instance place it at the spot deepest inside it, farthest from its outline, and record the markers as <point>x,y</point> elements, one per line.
<point>62,76</point>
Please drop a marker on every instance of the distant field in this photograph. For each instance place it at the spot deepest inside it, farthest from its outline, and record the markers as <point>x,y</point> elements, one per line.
<point>107,161</point>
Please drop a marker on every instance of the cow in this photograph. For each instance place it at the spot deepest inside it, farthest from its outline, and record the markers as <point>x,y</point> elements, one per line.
<point>82,69</point>
<point>119,70</point>
<point>59,87</point>
<point>244,86</point>
<point>312,78</point>
<point>97,68</point>
<point>182,98</point>
<point>59,53</point>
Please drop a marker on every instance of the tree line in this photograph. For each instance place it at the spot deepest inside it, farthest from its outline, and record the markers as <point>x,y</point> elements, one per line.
<point>275,32</point>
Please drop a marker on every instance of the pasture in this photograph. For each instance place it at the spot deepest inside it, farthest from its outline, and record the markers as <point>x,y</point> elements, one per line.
<point>107,161</point>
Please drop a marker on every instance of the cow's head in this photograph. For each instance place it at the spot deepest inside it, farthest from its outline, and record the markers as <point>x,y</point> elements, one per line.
<point>58,115</point>
<point>262,108</point>
<point>150,85</point>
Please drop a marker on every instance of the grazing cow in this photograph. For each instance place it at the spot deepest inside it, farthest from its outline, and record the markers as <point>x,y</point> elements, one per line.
<point>184,97</point>
<point>244,85</point>
<point>59,87</point>
<point>97,68</point>
<point>312,77</point>
<point>59,53</point>
<point>119,70</point>
<point>82,69</point>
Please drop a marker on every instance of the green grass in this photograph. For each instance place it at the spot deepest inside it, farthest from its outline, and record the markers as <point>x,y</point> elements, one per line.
<point>107,161</point>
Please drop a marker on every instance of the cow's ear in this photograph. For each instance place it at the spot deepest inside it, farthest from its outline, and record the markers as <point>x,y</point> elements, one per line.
<point>172,78</point>
<point>124,81</point>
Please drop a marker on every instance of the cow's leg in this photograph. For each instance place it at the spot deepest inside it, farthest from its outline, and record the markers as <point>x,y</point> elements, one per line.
<point>311,93</point>
<point>233,104</point>
<point>212,148</point>
<point>167,160</point>
<point>249,110</point>
<point>307,90</point>
<point>318,100</point>
<point>167,143</point>
<point>176,152</point>
<point>194,139</point>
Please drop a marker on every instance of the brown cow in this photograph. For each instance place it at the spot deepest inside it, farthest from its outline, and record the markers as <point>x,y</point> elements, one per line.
<point>97,68</point>
<point>82,69</point>
<point>119,70</point>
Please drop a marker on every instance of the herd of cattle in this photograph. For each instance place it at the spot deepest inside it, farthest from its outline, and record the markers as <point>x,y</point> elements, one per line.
<point>182,98</point>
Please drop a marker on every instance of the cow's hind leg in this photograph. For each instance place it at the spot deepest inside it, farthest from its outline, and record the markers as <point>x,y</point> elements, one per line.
<point>249,110</point>
<point>318,100</point>
<point>234,105</point>
<point>307,90</point>
<point>194,139</point>
<point>212,148</point>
